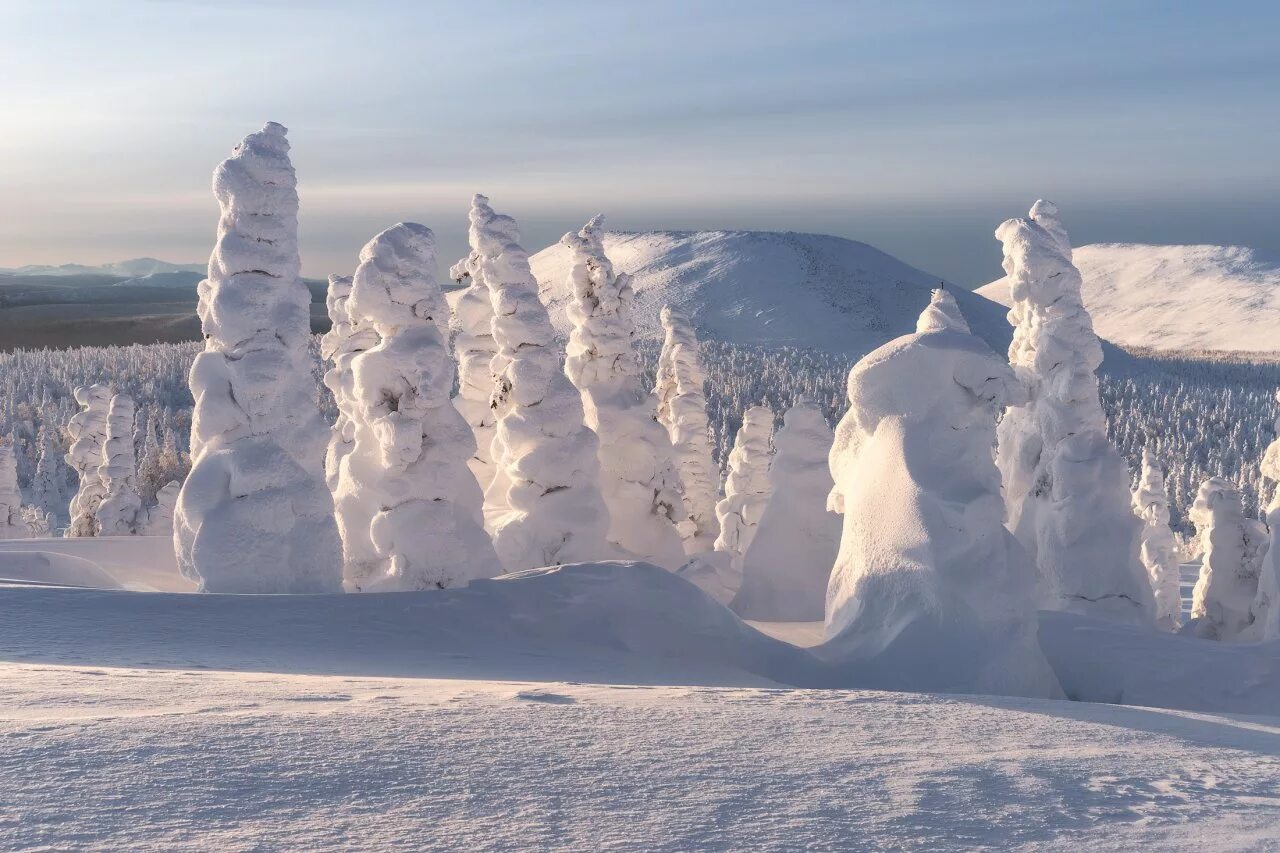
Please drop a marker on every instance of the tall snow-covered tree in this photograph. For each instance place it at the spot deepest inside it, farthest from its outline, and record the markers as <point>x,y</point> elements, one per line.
<point>746,489</point>
<point>118,512</point>
<point>1234,548</point>
<point>406,477</point>
<point>1266,605</point>
<point>787,565</point>
<point>340,345</point>
<point>929,591</point>
<point>12,525</point>
<point>1159,550</point>
<point>682,409</point>
<point>474,349</point>
<point>1066,486</point>
<point>545,455</point>
<point>149,473</point>
<point>87,430</point>
<point>46,491</point>
<point>637,476</point>
<point>254,515</point>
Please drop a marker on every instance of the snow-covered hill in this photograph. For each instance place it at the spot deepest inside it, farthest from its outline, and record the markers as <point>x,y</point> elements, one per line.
<point>1177,298</point>
<point>770,288</point>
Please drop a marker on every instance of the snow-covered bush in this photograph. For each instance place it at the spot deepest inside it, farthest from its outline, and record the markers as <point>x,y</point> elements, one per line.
<point>1066,487</point>
<point>546,457</point>
<point>474,349</point>
<point>1234,548</point>
<point>254,514</point>
<point>746,489</point>
<point>682,409</point>
<point>929,591</point>
<point>1158,549</point>
<point>88,431</point>
<point>788,563</point>
<point>406,479</point>
<point>637,477</point>
<point>118,512</point>
<point>39,523</point>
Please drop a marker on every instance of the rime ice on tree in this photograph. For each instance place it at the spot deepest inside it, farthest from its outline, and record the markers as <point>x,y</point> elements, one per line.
<point>87,430</point>
<point>118,512</point>
<point>406,478</point>
<point>158,520</point>
<point>929,591</point>
<point>1158,550</point>
<point>12,524</point>
<point>637,477</point>
<point>474,349</point>
<point>786,567</point>
<point>342,343</point>
<point>1234,549</point>
<point>1065,485</point>
<point>682,409</point>
<point>1266,606</point>
<point>254,515</point>
<point>546,457</point>
<point>746,489</point>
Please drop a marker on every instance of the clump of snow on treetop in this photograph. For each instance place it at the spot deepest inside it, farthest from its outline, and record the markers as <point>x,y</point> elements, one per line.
<point>1158,297</point>
<point>254,514</point>
<point>762,288</point>
<point>929,591</point>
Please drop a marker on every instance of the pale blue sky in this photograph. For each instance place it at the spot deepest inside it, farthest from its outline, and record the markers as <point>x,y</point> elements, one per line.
<point>913,126</point>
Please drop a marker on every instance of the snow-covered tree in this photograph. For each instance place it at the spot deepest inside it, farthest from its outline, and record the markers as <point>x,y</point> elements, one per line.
<point>406,477</point>
<point>1065,485</point>
<point>158,519</point>
<point>746,490</point>
<point>46,492</point>
<point>545,455</point>
<point>118,512</point>
<point>149,473</point>
<point>1234,548</point>
<point>474,349</point>
<point>88,430</point>
<point>682,409</point>
<point>254,515</point>
<point>1159,550</point>
<point>342,343</point>
<point>39,523</point>
<point>1266,605</point>
<point>637,475</point>
<point>12,525</point>
<point>787,565</point>
<point>929,591</point>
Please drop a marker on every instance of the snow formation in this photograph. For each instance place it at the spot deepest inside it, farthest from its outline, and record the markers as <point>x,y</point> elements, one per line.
<point>1066,487</point>
<point>254,515</point>
<point>746,489</point>
<point>87,430</point>
<point>158,520</point>
<point>787,565</point>
<point>637,476</point>
<point>474,349</point>
<point>118,512</point>
<point>342,343</point>
<point>1234,548</point>
<point>929,591</point>
<point>46,491</point>
<point>1158,548</point>
<point>406,497</point>
<point>12,523</point>
<point>682,409</point>
<point>551,511</point>
<point>1266,607</point>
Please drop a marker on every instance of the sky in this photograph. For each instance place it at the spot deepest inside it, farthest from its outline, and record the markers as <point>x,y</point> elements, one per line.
<point>914,126</point>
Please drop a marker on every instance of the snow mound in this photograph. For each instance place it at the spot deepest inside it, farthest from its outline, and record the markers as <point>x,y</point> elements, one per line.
<point>768,288</point>
<point>1158,297</point>
<point>57,569</point>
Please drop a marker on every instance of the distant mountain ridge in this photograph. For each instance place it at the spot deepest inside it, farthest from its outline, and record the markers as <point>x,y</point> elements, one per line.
<point>132,268</point>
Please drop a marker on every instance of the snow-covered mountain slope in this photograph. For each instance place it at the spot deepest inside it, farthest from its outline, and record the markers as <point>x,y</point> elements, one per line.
<point>769,288</point>
<point>131,268</point>
<point>1177,298</point>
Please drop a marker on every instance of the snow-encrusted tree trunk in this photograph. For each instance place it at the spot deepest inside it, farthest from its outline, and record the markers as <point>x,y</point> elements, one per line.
<point>746,490</point>
<point>1159,550</point>
<point>474,349</point>
<point>637,476</point>
<point>118,512</point>
<point>88,430</point>
<point>406,478</point>
<point>1266,605</point>
<point>254,515</point>
<point>342,343</point>
<point>786,567</point>
<point>929,591</point>
<point>1234,549</point>
<point>12,524</point>
<point>159,518</point>
<point>682,409</point>
<point>546,457</point>
<point>1066,487</point>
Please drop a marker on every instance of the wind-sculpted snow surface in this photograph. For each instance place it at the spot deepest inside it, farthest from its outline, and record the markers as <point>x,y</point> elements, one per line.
<point>118,512</point>
<point>254,515</point>
<point>1234,548</point>
<point>408,506</point>
<point>929,591</point>
<point>88,430</point>
<point>551,511</point>
<point>788,563</point>
<point>1066,487</point>
<point>637,478</point>
<point>682,408</point>
<point>1159,548</point>
<point>746,489</point>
